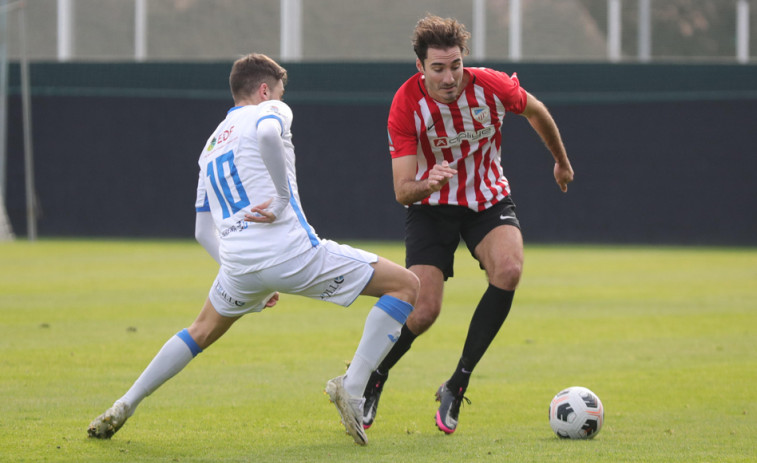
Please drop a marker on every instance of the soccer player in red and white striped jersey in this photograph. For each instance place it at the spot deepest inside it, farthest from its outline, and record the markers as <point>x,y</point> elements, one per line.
<point>445,142</point>
<point>465,133</point>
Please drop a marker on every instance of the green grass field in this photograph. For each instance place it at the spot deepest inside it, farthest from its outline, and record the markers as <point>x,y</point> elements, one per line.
<point>667,337</point>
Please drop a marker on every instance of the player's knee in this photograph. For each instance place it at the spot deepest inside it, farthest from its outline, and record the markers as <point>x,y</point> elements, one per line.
<point>506,275</point>
<point>405,286</point>
<point>412,287</point>
<point>424,315</point>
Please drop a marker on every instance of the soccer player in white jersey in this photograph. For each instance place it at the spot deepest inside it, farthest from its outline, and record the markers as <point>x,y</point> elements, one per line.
<point>249,218</point>
<point>445,142</point>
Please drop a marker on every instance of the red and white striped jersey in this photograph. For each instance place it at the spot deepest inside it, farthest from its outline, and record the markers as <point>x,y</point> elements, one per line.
<point>465,133</point>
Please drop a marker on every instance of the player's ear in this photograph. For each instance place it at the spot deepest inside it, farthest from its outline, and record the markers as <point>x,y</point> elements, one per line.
<point>264,92</point>
<point>419,65</point>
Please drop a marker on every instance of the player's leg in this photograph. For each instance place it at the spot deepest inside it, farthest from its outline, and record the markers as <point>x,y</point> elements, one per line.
<point>177,352</point>
<point>339,273</point>
<point>501,255</point>
<point>432,236</point>
<point>429,300</point>
<point>390,279</point>
<point>422,317</point>
<point>358,272</point>
<point>209,325</point>
<point>426,311</point>
<point>397,289</point>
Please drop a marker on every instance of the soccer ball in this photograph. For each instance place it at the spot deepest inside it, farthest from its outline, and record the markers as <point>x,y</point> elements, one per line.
<point>576,413</point>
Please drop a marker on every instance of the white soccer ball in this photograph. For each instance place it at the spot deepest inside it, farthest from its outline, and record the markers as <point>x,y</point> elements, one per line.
<point>576,413</point>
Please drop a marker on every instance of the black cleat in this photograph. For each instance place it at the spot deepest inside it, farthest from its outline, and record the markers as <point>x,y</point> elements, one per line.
<point>372,395</point>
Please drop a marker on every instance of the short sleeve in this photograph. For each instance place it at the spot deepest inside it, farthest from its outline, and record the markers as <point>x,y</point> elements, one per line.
<point>403,138</point>
<point>513,96</point>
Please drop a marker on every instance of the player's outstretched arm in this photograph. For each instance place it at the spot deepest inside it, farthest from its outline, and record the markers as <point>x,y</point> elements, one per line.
<point>542,122</point>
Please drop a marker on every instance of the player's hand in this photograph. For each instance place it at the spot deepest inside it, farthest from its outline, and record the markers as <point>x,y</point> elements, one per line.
<point>439,175</point>
<point>273,300</point>
<point>563,175</point>
<point>260,214</point>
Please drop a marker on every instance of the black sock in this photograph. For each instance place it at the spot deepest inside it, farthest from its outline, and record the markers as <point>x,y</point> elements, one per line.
<point>398,350</point>
<point>487,319</point>
<point>460,377</point>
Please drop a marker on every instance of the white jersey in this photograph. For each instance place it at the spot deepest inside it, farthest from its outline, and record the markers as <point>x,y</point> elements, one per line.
<point>233,178</point>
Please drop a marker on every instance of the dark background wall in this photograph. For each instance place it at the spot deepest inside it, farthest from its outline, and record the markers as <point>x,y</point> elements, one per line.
<point>663,153</point>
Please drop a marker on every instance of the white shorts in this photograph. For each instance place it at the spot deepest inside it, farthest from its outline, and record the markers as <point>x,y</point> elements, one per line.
<point>331,272</point>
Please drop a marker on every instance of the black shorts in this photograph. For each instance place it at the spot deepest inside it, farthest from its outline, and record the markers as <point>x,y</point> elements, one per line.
<point>432,233</point>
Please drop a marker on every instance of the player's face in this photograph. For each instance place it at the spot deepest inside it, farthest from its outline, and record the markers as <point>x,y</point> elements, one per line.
<point>443,73</point>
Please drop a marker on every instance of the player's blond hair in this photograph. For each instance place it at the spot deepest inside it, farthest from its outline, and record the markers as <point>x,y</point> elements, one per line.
<point>249,72</point>
<point>436,32</point>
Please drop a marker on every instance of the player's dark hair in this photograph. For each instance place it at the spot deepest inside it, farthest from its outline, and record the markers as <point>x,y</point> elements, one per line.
<point>435,32</point>
<point>250,71</point>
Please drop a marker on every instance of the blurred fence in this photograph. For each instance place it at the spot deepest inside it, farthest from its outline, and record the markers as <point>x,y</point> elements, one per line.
<point>339,30</point>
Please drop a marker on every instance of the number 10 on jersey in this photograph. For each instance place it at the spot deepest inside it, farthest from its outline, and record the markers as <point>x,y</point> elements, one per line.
<point>227,185</point>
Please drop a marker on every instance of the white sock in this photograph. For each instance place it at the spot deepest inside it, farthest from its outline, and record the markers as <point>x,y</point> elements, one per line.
<point>171,359</point>
<point>379,335</point>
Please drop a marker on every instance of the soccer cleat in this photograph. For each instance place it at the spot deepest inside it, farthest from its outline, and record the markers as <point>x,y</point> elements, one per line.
<point>372,395</point>
<point>350,409</point>
<point>105,425</point>
<point>449,409</point>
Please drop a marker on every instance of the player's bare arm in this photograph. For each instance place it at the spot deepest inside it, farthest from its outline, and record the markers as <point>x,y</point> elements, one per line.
<point>541,121</point>
<point>408,190</point>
